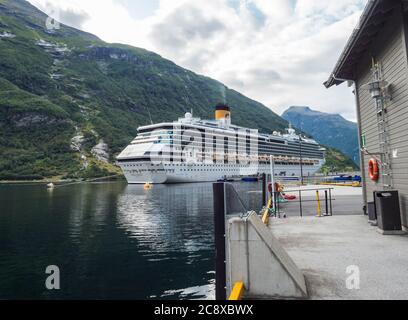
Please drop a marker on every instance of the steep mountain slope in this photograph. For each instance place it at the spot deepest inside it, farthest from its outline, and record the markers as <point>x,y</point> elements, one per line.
<point>328,129</point>
<point>336,161</point>
<point>69,102</point>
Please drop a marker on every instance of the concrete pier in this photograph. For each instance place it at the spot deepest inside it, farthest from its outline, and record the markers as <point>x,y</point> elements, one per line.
<point>257,259</point>
<point>324,249</point>
<point>339,257</point>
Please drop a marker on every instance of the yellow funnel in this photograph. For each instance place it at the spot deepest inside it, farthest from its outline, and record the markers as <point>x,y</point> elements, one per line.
<point>222,111</point>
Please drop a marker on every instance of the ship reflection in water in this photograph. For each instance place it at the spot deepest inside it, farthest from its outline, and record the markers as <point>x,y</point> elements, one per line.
<point>110,241</point>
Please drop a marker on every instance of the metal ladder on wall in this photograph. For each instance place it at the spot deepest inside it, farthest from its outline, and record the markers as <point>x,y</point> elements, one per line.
<point>383,132</point>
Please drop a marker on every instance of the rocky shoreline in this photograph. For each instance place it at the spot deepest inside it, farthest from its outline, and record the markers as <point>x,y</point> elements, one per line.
<point>59,181</point>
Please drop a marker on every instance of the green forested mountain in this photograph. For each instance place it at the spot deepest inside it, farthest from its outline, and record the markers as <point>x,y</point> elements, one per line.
<point>336,161</point>
<point>63,92</point>
<point>70,102</point>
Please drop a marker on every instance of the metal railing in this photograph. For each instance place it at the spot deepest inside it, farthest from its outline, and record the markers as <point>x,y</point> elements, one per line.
<point>328,200</point>
<point>278,197</point>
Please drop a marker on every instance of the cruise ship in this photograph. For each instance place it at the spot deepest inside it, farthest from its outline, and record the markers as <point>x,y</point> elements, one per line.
<point>196,150</point>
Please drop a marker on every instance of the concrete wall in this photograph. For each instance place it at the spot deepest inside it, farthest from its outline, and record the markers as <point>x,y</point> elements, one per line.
<point>389,48</point>
<point>256,258</point>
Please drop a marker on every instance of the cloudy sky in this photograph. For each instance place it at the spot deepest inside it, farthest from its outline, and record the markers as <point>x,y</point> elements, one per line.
<point>278,52</point>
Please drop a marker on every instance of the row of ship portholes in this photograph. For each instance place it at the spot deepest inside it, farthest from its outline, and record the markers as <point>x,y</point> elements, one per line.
<point>180,170</point>
<point>184,164</point>
<point>281,174</point>
<point>213,165</point>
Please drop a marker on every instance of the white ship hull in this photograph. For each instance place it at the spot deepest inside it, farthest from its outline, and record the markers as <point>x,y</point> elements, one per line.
<point>141,173</point>
<point>195,150</point>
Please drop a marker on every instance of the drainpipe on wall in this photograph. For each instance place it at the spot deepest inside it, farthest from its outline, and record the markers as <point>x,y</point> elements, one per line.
<point>360,132</point>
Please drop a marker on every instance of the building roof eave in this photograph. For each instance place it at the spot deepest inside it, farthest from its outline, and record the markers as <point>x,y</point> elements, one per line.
<point>369,25</point>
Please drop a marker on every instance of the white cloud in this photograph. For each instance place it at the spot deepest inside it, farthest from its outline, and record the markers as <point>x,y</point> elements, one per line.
<point>278,52</point>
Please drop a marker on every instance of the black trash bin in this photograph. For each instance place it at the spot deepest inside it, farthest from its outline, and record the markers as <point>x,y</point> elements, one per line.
<point>388,211</point>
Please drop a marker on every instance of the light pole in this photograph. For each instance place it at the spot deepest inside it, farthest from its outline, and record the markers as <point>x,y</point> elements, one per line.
<point>272,168</point>
<point>301,160</point>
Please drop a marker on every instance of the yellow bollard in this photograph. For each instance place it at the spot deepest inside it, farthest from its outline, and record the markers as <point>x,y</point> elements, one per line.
<point>237,292</point>
<point>319,208</point>
<point>265,216</point>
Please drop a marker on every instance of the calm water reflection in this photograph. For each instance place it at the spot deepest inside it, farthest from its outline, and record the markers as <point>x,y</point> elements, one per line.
<point>110,240</point>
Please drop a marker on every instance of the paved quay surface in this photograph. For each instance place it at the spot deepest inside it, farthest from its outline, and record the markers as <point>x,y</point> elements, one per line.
<point>323,248</point>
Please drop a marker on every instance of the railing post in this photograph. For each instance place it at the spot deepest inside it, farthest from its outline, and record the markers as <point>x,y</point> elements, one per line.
<point>264,190</point>
<point>331,206</point>
<point>319,209</point>
<point>326,202</point>
<point>300,203</point>
<point>219,237</point>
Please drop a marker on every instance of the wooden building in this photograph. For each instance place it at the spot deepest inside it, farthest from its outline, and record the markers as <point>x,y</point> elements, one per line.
<point>376,60</point>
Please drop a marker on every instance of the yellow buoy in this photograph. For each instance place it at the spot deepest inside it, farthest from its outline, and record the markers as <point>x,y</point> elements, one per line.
<point>147,186</point>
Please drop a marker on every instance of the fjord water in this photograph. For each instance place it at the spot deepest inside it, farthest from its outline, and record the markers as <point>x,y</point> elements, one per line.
<point>109,240</point>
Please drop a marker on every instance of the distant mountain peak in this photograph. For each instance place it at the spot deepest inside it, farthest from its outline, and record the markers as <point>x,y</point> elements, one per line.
<point>300,108</point>
<point>329,129</point>
<point>305,110</point>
